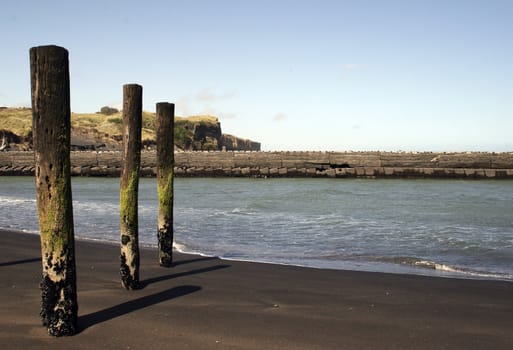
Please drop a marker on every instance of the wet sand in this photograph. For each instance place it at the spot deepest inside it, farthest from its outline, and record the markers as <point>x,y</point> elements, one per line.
<point>208,303</point>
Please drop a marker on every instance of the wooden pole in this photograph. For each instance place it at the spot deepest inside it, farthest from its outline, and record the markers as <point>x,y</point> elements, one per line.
<point>165,163</point>
<point>129,185</point>
<point>49,73</point>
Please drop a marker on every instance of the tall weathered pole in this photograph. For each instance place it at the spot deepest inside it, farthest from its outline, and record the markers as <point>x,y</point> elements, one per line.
<point>49,73</point>
<point>129,185</point>
<point>165,163</point>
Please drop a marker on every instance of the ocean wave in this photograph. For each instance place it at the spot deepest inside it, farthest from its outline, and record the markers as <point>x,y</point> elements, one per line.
<point>182,248</point>
<point>372,225</point>
<point>16,200</point>
<point>96,207</point>
<point>445,268</point>
<point>414,265</point>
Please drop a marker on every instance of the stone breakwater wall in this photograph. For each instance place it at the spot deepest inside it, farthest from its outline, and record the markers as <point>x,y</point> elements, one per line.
<point>287,164</point>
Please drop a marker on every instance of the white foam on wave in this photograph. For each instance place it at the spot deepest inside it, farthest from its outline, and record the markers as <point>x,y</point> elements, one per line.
<point>16,200</point>
<point>462,272</point>
<point>181,248</point>
<point>401,264</point>
<point>435,266</point>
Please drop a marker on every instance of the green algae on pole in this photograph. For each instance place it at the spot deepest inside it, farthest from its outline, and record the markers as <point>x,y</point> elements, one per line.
<point>51,123</point>
<point>129,186</point>
<point>165,164</point>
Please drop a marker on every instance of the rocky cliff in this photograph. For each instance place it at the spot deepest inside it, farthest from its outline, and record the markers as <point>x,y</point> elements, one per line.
<point>102,131</point>
<point>198,133</point>
<point>234,143</point>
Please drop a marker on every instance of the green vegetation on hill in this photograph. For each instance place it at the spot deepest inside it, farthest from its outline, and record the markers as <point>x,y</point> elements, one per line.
<point>111,124</point>
<point>16,120</point>
<point>191,133</point>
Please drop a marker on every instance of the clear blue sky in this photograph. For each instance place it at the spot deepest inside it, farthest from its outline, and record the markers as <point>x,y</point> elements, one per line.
<point>432,75</point>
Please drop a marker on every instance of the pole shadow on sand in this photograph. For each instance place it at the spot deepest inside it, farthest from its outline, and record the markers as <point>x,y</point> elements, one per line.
<point>152,280</point>
<point>110,313</point>
<point>190,261</point>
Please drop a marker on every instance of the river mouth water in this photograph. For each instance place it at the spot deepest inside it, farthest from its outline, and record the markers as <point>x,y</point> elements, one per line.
<point>452,228</point>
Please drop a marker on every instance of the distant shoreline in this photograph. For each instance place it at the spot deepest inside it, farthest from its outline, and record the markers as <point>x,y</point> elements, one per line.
<point>458,165</point>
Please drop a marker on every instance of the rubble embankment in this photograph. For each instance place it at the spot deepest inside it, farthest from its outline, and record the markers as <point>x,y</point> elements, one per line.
<point>478,165</point>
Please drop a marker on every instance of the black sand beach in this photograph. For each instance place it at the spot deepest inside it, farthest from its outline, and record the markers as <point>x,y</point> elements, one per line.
<point>208,303</point>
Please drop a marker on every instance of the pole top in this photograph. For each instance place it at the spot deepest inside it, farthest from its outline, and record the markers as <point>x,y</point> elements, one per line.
<point>165,104</point>
<point>48,48</point>
<point>132,86</point>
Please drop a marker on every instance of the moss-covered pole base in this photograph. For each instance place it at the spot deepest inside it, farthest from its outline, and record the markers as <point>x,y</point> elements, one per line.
<point>129,185</point>
<point>49,72</point>
<point>165,162</point>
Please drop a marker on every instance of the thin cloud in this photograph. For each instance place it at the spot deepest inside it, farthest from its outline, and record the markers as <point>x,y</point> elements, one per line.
<point>229,95</point>
<point>204,103</point>
<point>227,115</point>
<point>118,105</point>
<point>183,106</point>
<point>207,95</point>
<point>209,110</point>
<point>280,117</point>
<point>350,66</point>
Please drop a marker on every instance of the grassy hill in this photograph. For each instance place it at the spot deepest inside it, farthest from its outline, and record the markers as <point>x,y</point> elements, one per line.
<point>104,131</point>
<point>16,120</point>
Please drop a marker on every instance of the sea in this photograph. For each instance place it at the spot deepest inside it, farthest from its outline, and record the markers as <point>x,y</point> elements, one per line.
<point>445,228</point>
